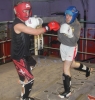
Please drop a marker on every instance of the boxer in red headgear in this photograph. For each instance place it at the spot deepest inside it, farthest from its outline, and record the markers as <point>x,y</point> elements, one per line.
<point>21,41</point>
<point>23,11</point>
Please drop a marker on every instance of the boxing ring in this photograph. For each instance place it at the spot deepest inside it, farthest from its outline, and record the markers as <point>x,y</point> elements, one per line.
<point>39,45</point>
<point>85,51</point>
<point>47,73</point>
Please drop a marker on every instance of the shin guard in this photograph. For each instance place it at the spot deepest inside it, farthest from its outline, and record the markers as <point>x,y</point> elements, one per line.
<point>66,82</point>
<point>84,69</point>
<point>27,89</point>
<point>67,86</point>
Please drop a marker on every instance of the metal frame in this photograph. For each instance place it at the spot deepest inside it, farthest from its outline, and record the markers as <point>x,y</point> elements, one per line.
<point>4,57</point>
<point>87,39</point>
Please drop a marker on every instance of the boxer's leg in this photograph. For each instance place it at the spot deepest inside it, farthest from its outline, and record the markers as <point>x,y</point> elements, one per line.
<point>26,89</point>
<point>67,85</point>
<point>84,68</point>
<point>26,78</point>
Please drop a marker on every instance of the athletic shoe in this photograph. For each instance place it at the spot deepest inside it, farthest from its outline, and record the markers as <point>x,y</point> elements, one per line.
<point>64,94</point>
<point>29,98</point>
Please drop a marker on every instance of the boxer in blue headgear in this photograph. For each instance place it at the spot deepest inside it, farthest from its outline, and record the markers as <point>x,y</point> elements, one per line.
<point>73,12</point>
<point>68,35</point>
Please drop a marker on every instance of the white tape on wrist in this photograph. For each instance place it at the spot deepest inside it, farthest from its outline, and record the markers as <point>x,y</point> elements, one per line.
<point>47,28</point>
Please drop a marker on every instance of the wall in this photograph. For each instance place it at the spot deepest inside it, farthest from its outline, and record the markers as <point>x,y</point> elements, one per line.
<point>6,10</point>
<point>45,8</point>
<point>41,8</point>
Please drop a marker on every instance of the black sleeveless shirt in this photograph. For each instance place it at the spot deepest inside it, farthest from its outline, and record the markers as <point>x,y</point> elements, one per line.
<point>20,43</point>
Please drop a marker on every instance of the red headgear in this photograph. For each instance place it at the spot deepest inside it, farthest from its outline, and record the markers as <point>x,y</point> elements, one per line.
<point>19,10</point>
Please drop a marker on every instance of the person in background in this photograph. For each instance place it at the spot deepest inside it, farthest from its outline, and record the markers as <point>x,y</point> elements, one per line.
<point>68,35</point>
<point>20,43</point>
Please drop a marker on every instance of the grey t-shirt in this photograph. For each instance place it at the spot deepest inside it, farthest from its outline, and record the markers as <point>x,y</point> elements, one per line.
<point>76,27</point>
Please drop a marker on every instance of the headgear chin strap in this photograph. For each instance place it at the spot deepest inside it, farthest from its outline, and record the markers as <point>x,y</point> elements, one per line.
<point>73,12</point>
<point>19,10</point>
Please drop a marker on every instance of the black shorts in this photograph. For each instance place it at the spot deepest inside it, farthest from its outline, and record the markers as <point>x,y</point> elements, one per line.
<point>23,69</point>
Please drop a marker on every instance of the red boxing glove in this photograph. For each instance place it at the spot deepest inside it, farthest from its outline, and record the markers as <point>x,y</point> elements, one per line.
<point>52,26</point>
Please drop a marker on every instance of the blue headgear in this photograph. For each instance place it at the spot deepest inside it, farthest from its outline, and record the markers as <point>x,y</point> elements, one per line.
<point>72,11</point>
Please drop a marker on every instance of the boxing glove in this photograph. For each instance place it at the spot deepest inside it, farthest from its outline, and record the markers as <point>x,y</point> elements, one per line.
<point>66,30</point>
<point>52,26</point>
<point>34,22</point>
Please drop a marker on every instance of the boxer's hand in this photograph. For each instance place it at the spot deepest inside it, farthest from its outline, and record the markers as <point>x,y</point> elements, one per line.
<point>52,26</point>
<point>66,30</point>
<point>34,22</point>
